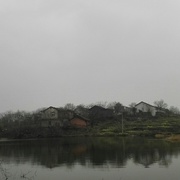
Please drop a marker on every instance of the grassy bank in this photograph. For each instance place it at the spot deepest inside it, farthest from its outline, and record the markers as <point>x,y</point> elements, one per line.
<point>152,127</point>
<point>159,128</point>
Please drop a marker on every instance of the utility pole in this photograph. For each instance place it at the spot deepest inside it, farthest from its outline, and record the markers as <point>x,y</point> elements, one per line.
<point>122,122</point>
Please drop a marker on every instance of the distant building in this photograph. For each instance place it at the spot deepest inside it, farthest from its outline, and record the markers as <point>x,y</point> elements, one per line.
<point>98,112</point>
<point>145,107</point>
<point>79,122</point>
<point>55,117</point>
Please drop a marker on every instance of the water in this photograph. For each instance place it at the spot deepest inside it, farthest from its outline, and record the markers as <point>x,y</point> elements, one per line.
<point>90,159</point>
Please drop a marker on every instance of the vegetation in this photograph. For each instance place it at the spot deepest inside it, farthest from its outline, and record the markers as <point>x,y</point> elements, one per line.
<point>23,124</point>
<point>161,104</point>
<point>5,174</point>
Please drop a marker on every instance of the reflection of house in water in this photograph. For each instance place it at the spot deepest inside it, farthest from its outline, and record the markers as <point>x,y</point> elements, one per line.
<point>79,149</point>
<point>150,158</point>
<point>146,160</point>
<point>93,152</point>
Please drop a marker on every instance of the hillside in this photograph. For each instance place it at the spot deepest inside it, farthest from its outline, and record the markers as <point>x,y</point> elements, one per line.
<point>159,127</point>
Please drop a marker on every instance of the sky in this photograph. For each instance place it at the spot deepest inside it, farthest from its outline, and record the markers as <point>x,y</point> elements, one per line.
<point>54,52</point>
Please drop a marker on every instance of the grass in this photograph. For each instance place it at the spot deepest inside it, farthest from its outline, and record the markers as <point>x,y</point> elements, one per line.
<point>159,128</point>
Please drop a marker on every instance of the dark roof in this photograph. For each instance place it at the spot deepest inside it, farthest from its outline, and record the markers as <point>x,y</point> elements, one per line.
<point>97,107</point>
<point>100,108</point>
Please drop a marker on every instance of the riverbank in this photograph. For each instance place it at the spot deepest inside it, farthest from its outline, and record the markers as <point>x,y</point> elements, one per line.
<point>151,127</point>
<point>158,128</point>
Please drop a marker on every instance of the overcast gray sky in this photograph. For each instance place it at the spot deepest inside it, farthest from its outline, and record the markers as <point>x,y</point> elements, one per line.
<point>54,52</point>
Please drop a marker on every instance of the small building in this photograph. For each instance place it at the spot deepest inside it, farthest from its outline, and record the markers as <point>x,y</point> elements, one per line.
<point>55,117</point>
<point>98,112</point>
<point>79,122</point>
<point>147,108</point>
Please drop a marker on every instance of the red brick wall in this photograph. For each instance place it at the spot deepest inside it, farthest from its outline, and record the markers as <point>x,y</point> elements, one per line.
<point>78,122</point>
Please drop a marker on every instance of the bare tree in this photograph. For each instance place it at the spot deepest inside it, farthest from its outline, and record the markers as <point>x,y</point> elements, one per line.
<point>160,104</point>
<point>132,105</point>
<point>82,110</point>
<point>111,105</point>
<point>174,110</point>
<point>4,172</point>
<point>116,106</point>
<point>102,104</point>
<point>6,175</point>
<point>133,108</point>
<point>69,106</point>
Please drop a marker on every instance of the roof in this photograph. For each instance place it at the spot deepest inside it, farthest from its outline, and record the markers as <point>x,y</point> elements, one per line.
<point>81,117</point>
<point>49,108</point>
<point>58,109</point>
<point>100,108</point>
<point>97,107</point>
<point>126,107</point>
<point>145,103</point>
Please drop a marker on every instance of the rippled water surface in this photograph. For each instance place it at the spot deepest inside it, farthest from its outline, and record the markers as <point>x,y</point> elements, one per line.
<point>92,158</point>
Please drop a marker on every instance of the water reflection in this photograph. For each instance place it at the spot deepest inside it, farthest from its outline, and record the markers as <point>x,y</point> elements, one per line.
<point>91,152</point>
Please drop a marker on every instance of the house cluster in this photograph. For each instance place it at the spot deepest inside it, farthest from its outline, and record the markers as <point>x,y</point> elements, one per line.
<point>62,118</point>
<point>81,118</point>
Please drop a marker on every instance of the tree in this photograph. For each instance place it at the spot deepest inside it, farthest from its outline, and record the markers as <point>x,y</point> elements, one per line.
<point>102,104</point>
<point>69,106</point>
<point>111,105</point>
<point>174,110</point>
<point>160,104</point>
<point>133,108</point>
<point>82,110</point>
<point>132,105</point>
<point>118,108</point>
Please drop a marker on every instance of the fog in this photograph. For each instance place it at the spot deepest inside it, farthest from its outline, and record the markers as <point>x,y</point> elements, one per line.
<point>78,51</point>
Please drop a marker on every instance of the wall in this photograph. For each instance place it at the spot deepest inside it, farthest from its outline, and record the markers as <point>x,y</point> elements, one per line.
<point>78,122</point>
<point>50,113</point>
<point>146,108</point>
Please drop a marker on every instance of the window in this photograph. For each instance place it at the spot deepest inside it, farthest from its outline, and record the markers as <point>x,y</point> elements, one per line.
<point>52,114</point>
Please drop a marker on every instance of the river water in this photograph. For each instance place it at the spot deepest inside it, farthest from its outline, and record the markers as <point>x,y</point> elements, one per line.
<point>95,158</point>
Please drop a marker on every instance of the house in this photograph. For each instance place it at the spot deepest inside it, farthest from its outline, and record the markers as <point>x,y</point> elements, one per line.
<point>98,112</point>
<point>55,117</point>
<point>79,122</point>
<point>147,108</point>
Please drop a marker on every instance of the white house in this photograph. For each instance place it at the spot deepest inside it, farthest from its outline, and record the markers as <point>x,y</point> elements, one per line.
<point>145,107</point>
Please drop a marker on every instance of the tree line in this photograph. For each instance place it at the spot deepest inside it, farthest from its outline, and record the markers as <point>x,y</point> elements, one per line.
<point>12,119</point>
